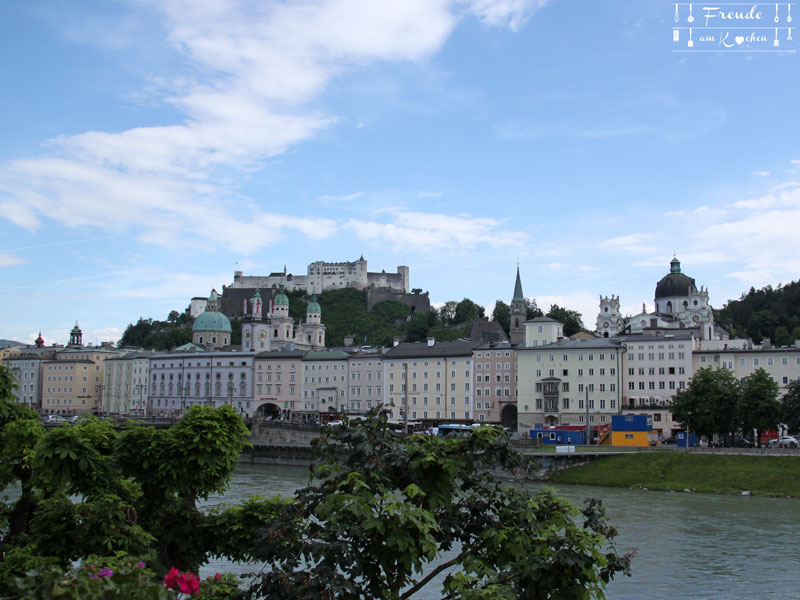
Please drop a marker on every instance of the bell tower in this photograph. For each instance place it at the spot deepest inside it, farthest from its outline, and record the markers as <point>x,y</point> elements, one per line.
<point>518,314</point>
<point>609,318</point>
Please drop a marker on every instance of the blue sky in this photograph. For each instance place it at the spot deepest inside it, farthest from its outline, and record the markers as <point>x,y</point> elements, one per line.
<point>150,148</point>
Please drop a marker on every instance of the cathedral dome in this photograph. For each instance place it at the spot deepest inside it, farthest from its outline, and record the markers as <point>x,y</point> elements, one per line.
<point>212,321</point>
<point>313,306</point>
<point>281,299</point>
<point>675,283</point>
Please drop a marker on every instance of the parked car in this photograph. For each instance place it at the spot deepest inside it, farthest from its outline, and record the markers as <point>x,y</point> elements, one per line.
<point>669,440</point>
<point>785,441</point>
<point>54,419</point>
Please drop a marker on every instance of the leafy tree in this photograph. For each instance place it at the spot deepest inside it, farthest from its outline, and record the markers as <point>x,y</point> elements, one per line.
<point>710,403</point>
<point>570,318</point>
<point>766,313</point>
<point>790,407</point>
<point>759,408</point>
<point>382,510</point>
<point>532,310</point>
<point>502,314</point>
<point>447,313</point>
<point>467,310</point>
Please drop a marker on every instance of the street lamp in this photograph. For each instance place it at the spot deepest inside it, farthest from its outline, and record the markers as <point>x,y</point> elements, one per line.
<point>99,389</point>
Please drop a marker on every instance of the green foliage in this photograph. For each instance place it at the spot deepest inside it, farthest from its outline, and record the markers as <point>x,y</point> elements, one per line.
<point>570,318</point>
<point>766,313</point>
<point>759,408</point>
<point>159,335</point>
<point>383,510</point>
<point>715,402</point>
<point>502,314</point>
<point>87,490</point>
<point>709,404</point>
<point>790,407</point>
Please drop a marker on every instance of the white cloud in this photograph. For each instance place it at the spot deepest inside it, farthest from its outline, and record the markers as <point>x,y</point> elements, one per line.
<point>10,260</point>
<point>341,198</point>
<point>761,173</point>
<point>417,231</point>
<point>430,194</point>
<point>261,65</point>
<point>636,242</point>
<point>106,334</point>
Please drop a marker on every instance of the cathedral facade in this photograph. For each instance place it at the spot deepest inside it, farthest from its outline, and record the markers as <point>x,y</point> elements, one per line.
<point>679,305</point>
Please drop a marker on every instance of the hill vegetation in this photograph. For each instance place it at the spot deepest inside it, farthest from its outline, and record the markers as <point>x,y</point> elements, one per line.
<point>344,312</point>
<point>772,313</point>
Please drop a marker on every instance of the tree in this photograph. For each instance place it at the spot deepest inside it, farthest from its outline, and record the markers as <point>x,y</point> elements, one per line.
<point>759,408</point>
<point>532,310</point>
<point>790,407</point>
<point>447,313</point>
<point>385,514</point>
<point>570,318</point>
<point>502,314</point>
<point>467,310</point>
<point>710,403</point>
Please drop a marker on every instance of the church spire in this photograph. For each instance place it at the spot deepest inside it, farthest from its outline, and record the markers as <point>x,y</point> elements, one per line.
<point>518,295</point>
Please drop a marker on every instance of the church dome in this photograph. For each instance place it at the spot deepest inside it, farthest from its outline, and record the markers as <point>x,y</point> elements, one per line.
<point>675,283</point>
<point>313,306</point>
<point>212,321</point>
<point>281,298</point>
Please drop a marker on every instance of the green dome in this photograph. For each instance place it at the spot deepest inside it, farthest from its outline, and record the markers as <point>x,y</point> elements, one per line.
<point>212,321</point>
<point>313,306</point>
<point>281,298</point>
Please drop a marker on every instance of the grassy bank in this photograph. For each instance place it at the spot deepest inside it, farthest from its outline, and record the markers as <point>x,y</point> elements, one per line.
<point>723,474</point>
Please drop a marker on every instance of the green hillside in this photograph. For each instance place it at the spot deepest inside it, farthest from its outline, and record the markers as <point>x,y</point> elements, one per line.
<point>772,313</point>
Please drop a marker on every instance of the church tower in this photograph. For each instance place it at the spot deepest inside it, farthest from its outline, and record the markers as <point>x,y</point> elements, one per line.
<point>282,325</point>
<point>518,314</point>
<point>255,331</point>
<point>75,337</point>
<point>313,332</point>
<point>609,319</point>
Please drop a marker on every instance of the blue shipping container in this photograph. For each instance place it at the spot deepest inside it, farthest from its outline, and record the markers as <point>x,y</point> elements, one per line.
<point>681,438</point>
<point>631,423</point>
<point>557,437</point>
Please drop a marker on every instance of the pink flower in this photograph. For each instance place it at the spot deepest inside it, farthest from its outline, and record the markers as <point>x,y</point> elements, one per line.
<point>217,576</point>
<point>171,578</point>
<point>141,565</point>
<point>188,583</point>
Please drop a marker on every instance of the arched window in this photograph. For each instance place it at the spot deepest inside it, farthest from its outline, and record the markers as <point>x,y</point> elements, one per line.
<point>218,389</point>
<point>516,323</point>
<point>669,307</point>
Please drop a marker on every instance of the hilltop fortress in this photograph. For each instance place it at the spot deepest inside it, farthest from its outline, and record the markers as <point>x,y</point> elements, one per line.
<point>320,277</point>
<point>323,276</point>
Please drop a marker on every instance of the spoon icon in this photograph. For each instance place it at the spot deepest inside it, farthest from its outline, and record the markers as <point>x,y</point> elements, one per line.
<point>777,20</point>
<point>690,18</point>
<point>789,10</point>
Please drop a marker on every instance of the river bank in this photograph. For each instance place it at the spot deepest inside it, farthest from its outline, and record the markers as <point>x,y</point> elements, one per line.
<point>677,471</point>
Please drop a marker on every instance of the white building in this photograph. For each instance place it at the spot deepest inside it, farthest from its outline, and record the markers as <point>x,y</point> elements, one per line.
<point>365,380</point>
<point>324,383</point>
<point>322,276</point>
<point>679,304</point>
<point>126,383</point>
<point>180,380</point>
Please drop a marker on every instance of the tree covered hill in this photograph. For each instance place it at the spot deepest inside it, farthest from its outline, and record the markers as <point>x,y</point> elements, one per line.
<point>772,313</point>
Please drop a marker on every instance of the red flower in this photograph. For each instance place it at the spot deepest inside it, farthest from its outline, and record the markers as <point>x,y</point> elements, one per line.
<point>171,578</point>
<point>217,576</point>
<point>189,583</point>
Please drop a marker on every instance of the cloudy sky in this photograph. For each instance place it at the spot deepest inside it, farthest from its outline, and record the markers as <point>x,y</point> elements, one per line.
<point>150,148</point>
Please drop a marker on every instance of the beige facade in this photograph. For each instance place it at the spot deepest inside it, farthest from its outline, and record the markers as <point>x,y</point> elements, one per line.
<point>569,382</point>
<point>433,379</point>
<point>495,381</point>
<point>365,381</point>
<point>655,368</point>
<point>782,364</point>
<point>73,382</point>
<point>278,384</point>
<point>324,383</point>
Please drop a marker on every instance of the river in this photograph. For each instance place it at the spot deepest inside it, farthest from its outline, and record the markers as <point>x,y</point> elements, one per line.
<point>688,546</point>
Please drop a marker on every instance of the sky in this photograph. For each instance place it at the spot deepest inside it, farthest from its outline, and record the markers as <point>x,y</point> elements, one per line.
<point>150,148</point>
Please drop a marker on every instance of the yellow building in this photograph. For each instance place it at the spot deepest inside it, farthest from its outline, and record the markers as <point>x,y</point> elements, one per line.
<point>72,383</point>
<point>434,379</point>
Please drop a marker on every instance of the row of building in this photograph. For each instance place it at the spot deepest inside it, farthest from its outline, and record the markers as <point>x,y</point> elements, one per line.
<point>535,379</point>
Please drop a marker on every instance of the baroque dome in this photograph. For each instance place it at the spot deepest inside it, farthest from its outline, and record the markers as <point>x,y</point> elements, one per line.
<point>212,321</point>
<point>675,283</point>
